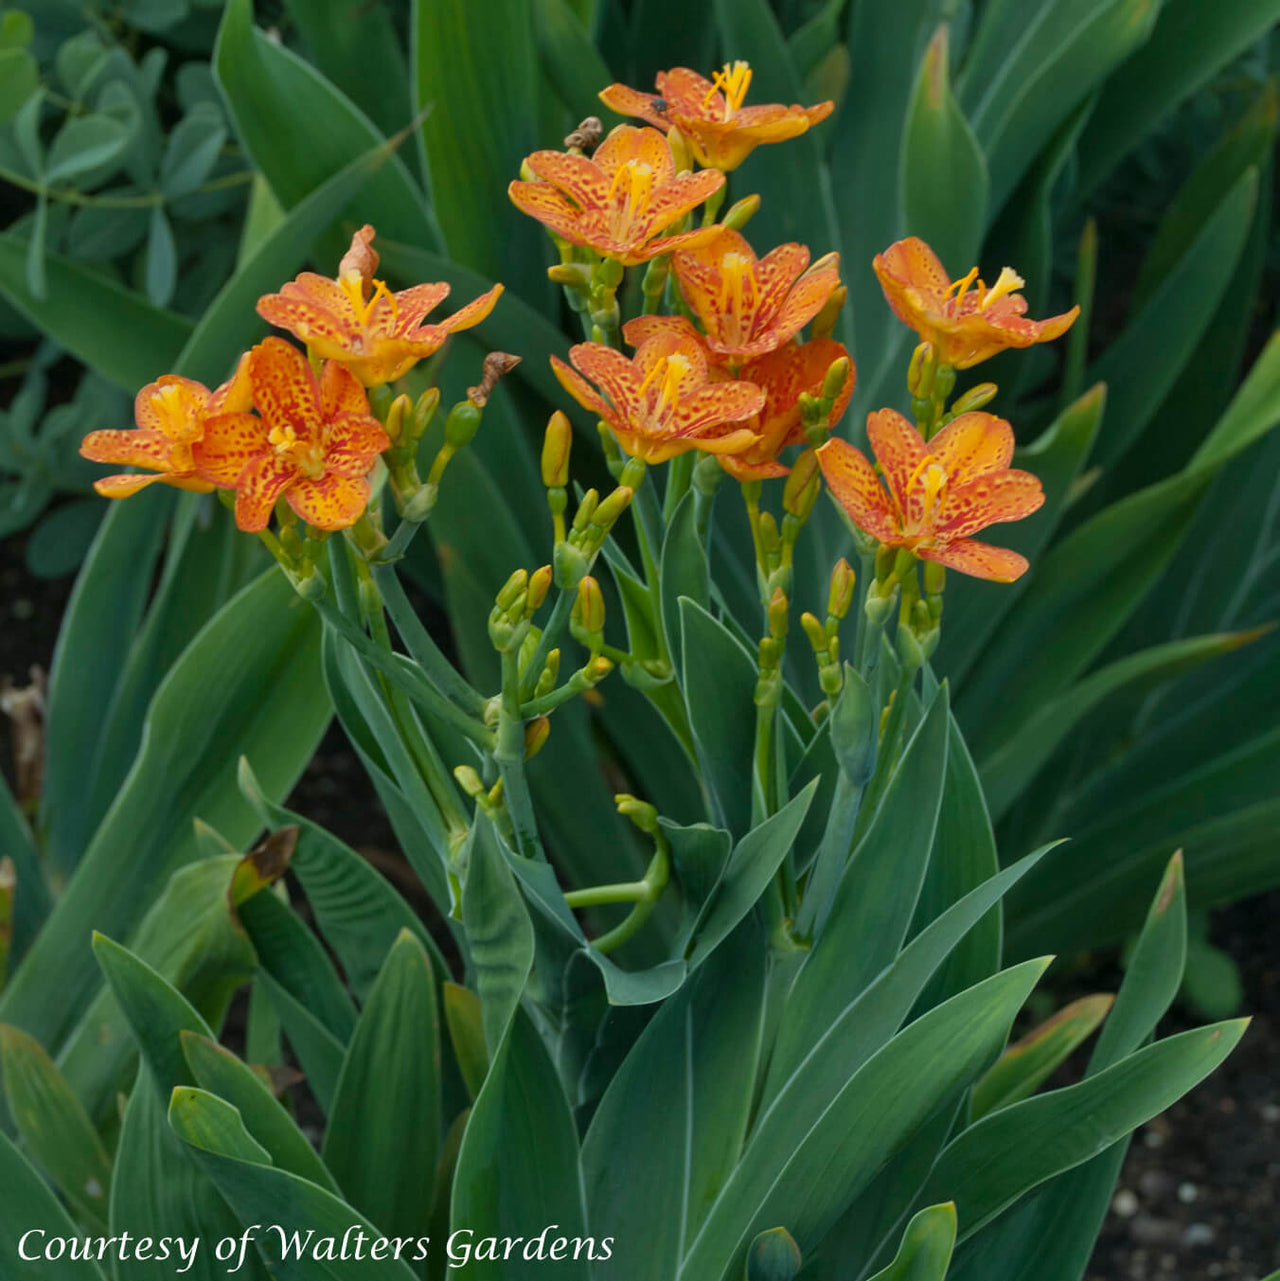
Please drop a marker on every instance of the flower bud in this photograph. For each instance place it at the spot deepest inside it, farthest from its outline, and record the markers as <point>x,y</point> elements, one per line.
<point>975,398</point>
<point>539,583</point>
<point>570,564</point>
<point>824,322</point>
<point>399,409</point>
<point>641,813</point>
<point>468,780</point>
<point>935,578</point>
<point>588,609</point>
<point>801,490</point>
<point>607,513</point>
<point>550,674</point>
<point>841,594</point>
<point>556,445</point>
<point>741,212</point>
<point>461,425</point>
<point>921,371</point>
<point>536,733</point>
<point>769,533</point>
<point>572,275</point>
<point>514,588</point>
<point>598,668</point>
<point>424,411</point>
<point>778,610</point>
<point>815,632</point>
<point>633,473</point>
<point>837,376</point>
<point>679,150</point>
<point>586,509</point>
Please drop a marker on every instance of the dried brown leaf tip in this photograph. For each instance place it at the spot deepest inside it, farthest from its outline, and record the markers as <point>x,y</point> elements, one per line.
<point>586,136</point>
<point>24,706</point>
<point>263,865</point>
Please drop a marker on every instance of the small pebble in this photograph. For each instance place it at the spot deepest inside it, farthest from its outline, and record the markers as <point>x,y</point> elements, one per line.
<point>1154,1184</point>
<point>1125,1204</point>
<point>1271,1113</point>
<point>1187,1192</point>
<point>1198,1234</point>
<point>1150,1231</point>
<point>1152,1138</point>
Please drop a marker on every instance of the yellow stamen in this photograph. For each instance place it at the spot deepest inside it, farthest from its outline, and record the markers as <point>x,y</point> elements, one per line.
<point>1008,282</point>
<point>737,281</point>
<point>635,181</point>
<point>733,80</point>
<point>668,373</point>
<point>935,480</point>
<point>961,286</point>
<point>307,456</point>
<point>352,284</point>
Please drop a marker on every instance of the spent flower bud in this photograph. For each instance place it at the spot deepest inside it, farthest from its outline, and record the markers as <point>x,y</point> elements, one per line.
<point>801,489</point>
<point>921,371</point>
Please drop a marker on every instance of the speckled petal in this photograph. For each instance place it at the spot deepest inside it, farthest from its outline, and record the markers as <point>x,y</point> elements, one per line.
<point>231,442</point>
<point>973,444</point>
<point>341,392</point>
<point>473,313</point>
<point>989,500</point>
<point>284,387</point>
<point>716,404</point>
<point>581,390</point>
<point>898,449</point>
<point>631,102</point>
<point>331,502</point>
<point>582,180</point>
<point>128,448</point>
<point>260,484</point>
<point>125,486</point>
<point>414,303</point>
<point>353,443</point>
<point>645,145</point>
<point>804,302</point>
<point>980,560</point>
<point>776,274</point>
<point>855,486</point>
<point>550,207</point>
<point>610,370</point>
<point>641,328</point>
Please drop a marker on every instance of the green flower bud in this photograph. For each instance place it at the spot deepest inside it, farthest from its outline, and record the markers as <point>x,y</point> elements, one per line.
<point>840,596</point>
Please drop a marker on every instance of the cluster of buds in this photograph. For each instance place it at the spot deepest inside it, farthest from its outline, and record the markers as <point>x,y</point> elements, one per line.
<point>576,550</point>
<point>516,603</point>
<point>772,647</point>
<point>825,637</point>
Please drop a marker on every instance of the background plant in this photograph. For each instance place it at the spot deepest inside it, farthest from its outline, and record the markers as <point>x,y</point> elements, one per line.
<point>1032,120</point>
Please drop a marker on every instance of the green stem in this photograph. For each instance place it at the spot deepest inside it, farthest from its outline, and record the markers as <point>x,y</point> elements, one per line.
<point>655,882</point>
<point>556,624</point>
<point>679,476</point>
<point>118,202</point>
<point>509,754</point>
<point>425,652</point>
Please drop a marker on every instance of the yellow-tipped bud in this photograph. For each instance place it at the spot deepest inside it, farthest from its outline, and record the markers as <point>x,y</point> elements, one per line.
<point>536,733</point>
<point>607,513</point>
<point>586,509</point>
<point>975,398</point>
<point>469,780</point>
<point>801,490</point>
<point>556,445</point>
<point>539,584</point>
<point>779,607</point>
<point>588,609</point>
<point>741,212</point>
<point>836,377</point>
<point>424,411</point>
<point>922,370</point>
<point>841,595</point>
<point>400,409</point>
<point>513,589</point>
<point>550,674</point>
<point>598,668</point>
<point>769,533</point>
<point>641,813</point>
<point>572,275</point>
<point>815,632</point>
<point>824,323</point>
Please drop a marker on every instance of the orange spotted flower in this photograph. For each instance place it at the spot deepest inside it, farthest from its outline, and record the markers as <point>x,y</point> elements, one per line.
<point>314,444</point>
<point>965,325</point>
<point>747,305</point>
<point>357,320</point>
<point>784,375</point>
<point>937,493</point>
<point>621,200</point>
<point>720,131</point>
<point>659,403</point>
<point>171,414</point>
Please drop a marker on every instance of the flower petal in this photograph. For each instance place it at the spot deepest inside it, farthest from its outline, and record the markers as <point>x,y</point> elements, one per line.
<point>332,502</point>
<point>973,444</point>
<point>631,102</point>
<point>353,443</point>
<point>260,485</point>
<point>989,500</point>
<point>641,328</point>
<point>582,180</point>
<point>550,207</point>
<point>610,370</point>
<point>284,387</point>
<point>413,304</point>
<point>125,486</point>
<point>626,143</point>
<point>898,448</point>
<point>128,448</point>
<point>981,560</point>
<point>775,275</point>
<point>581,390</point>
<point>231,442</point>
<point>855,486</point>
<point>473,313</point>
<point>341,392</point>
